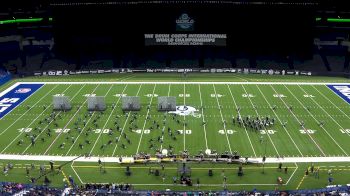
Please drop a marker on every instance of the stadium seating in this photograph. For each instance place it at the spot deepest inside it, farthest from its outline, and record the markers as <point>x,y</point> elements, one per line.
<point>9,188</point>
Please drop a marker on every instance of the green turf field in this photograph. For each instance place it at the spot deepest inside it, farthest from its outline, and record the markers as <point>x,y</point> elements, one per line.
<point>215,104</point>
<point>308,119</point>
<point>254,176</point>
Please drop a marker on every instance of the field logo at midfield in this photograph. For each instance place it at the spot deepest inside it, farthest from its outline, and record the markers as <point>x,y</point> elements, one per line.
<point>342,90</point>
<point>16,96</point>
<point>184,110</point>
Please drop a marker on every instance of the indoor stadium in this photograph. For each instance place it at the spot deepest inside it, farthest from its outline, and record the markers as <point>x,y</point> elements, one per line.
<point>172,97</point>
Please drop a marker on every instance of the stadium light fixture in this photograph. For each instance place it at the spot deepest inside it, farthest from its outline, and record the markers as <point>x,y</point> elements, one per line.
<point>23,20</point>
<point>339,20</point>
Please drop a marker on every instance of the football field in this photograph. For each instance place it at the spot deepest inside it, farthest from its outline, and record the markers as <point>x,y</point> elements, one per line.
<point>276,119</point>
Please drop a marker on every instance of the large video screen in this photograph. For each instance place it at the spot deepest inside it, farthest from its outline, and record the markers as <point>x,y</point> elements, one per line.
<point>160,26</point>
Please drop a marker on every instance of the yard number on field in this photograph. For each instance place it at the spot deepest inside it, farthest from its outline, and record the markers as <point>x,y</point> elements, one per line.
<point>247,95</point>
<point>187,132</point>
<point>307,131</point>
<point>26,130</point>
<point>229,131</point>
<point>347,131</point>
<point>120,95</point>
<point>186,95</point>
<point>146,131</point>
<point>101,130</point>
<point>311,96</point>
<point>89,95</point>
<point>279,95</point>
<point>151,95</point>
<point>62,130</point>
<point>270,131</point>
<point>216,95</point>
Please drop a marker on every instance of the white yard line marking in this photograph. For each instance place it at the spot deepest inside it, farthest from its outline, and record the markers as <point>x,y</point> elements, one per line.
<point>319,122</point>
<point>292,174</point>
<point>52,120</point>
<point>23,103</point>
<point>9,89</point>
<point>332,101</point>
<point>161,145</point>
<point>280,121</point>
<point>240,116</point>
<point>256,111</point>
<point>68,123</point>
<point>80,133</point>
<point>144,124</point>
<point>222,119</point>
<point>169,82</point>
<point>299,122</point>
<point>126,121</point>
<point>204,126</point>
<point>110,114</point>
<point>76,173</point>
<point>184,128</point>
<point>31,122</point>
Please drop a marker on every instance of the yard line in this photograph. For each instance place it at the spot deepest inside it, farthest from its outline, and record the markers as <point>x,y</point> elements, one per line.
<point>256,111</point>
<point>28,110</point>
<point>144,124</point>
<point>280,121</point>
<point>126,120</point>
<point>299,122</point>
<point>104,126</point>
<point>331,101</point>
<point>222,119</point>
<point>169,90</point>
<point>76,173</point>
<point>240,116</point>
<point>55,116</point>
<point>31,122</point>
<point>204,126</point>
<point>69,122</point>
<point>316,119</point>
<point>87,122</point>
<point>319,122</point>
<point>184,129</point>
<point>8,89</point>
<point>161,145</point>
<point>292,174</point>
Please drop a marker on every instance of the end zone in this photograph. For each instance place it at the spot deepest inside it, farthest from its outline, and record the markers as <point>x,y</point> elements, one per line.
<point>342,90</point>
<point>15,95</point>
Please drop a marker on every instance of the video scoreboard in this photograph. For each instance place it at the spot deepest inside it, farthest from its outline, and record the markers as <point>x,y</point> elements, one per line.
<point>152,26</point>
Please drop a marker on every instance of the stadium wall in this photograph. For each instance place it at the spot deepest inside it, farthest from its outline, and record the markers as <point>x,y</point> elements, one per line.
<point>4,79</point>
